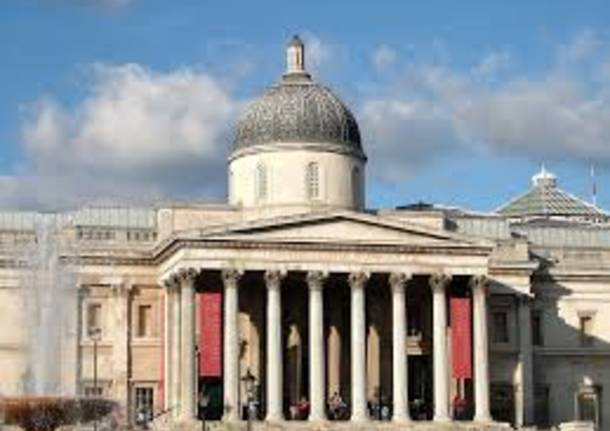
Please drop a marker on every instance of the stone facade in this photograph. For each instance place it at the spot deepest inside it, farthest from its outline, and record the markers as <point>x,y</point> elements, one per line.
<point>321,300</point>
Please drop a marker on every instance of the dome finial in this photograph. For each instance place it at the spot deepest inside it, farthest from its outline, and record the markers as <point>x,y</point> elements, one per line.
<point>295,56</point>
<point>544,178</point>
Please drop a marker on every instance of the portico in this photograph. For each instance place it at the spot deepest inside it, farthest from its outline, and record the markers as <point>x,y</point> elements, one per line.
<point>333,323</point>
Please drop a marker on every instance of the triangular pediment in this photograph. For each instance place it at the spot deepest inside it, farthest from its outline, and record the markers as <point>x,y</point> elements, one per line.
<point>338,227</point>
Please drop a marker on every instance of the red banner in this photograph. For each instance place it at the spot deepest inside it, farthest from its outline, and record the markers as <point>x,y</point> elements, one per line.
<point>210,333</point>
<point>461,338</point>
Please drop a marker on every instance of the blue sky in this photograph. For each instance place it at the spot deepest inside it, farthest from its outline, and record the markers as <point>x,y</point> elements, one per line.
<point>459,102</point>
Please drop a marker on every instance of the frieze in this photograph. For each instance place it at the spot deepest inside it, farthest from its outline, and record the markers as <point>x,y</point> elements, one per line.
<point>327,246</point>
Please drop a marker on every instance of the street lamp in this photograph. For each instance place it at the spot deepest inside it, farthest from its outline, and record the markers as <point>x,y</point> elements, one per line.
<point>95,335</point>
<point>249,381</point>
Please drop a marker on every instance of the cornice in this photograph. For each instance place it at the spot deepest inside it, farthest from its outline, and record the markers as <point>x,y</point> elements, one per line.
<point>180,244</point>
<point>298,146</point>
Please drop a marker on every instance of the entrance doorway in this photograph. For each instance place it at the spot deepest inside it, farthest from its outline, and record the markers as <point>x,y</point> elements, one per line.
<point>420,387</point>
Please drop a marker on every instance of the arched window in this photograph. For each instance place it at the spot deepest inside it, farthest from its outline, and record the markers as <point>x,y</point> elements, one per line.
<point>261,182</point>
<point>312,180</point>
<point>356,186</point>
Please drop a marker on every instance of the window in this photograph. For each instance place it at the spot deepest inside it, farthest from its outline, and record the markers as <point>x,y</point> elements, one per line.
<point>312,180</point>
<point>144,320</point>
<point>94,318</point>
<point>261,182</point>
<point>537,334</point>
<point>144,405</point>
<point>541,405</point>
<point>502,401</point>
<point>93,391</point>
<point>586,330</point>
<point>500,328</point>
<point>356,186</point>
<point>588,404</point>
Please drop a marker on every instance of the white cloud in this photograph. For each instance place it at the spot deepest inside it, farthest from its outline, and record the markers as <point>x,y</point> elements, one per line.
<point>318,53</point>
<point>491,64</point>
<point>429,112</point>
<point>578,49</point>
<point>137,134</point>
<point>384,57</point>
<point>401,137</point>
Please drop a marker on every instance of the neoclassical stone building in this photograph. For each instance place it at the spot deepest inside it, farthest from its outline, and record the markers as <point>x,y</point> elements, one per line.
<point>341,315</point>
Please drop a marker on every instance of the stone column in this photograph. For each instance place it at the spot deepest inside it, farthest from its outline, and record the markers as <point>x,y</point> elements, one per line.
<point>71,343</point>
<point>525,402</point>
<point>481,351</point>
<point>120,343</point>
<point>400,386</point>
<point>175,347</point>
<point>439,283</point>
<point>230,279</point>
<point>188,410</point>
<point>315,281</point>
<point>273,280</point>
<point>357,282</point>
<point>167,344</point>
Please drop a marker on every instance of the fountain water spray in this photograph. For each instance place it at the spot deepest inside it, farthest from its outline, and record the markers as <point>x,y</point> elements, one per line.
<point>50,297</point>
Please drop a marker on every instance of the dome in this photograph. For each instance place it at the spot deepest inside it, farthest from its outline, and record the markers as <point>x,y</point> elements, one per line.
<point>298,110</point>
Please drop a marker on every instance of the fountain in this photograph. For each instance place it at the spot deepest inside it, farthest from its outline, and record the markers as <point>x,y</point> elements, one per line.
<point>50,299</point>
<point>49,413</point>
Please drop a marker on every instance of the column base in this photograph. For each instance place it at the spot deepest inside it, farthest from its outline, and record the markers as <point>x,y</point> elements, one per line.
<point>359,418</point>
<point>484,419</point>
<point>442,418</point>
<point>230,418</point>
<point>402,420</point>
<point>275,417</point>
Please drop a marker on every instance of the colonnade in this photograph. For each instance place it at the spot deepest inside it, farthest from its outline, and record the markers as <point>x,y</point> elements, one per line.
<point>180,381</point>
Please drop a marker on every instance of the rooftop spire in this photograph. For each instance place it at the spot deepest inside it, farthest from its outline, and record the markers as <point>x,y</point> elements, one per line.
<point>295,56</point>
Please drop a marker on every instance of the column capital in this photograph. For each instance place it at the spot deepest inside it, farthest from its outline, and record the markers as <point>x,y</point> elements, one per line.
<point>358,279</point>
<point>273,278</point>
<point>121,290</point>
<point>526,299</point>
<point>231,276</point>
<point>398,280</point>
<point>170,283</point>
<point>186,275</point>
<point>439,281</point>
<point>315,279</point>
<point>479,283</point>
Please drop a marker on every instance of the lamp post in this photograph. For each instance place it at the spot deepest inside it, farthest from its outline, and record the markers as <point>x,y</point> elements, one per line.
<point>95,335</point>
<point>249,380</point>
<point>204,399</point>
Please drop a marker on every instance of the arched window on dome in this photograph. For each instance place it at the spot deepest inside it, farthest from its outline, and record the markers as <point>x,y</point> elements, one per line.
<point>312,180</point>
<point>260,182</point>
<point>356,186</point>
